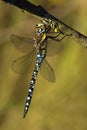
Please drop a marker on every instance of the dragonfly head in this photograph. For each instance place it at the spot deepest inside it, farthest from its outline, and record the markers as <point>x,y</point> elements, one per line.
<point>40,28</point>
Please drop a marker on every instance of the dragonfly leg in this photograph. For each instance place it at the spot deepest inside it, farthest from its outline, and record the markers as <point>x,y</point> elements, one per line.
<point>56,38</point>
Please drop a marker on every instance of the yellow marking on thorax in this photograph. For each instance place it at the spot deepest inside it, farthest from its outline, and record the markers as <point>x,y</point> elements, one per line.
<point>55,29</point>
<point>43,37</point>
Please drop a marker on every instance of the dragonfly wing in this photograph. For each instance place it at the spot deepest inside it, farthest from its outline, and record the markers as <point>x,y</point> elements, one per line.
<point>47,71</point>
<point>22,44</point>
<point>54,47</point>
<point>24,64</point>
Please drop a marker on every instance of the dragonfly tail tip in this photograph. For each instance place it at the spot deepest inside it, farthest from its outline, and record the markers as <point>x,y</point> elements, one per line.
<point>24,115</point>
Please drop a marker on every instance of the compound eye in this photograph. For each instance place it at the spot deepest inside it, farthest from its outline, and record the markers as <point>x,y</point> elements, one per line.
<point>40,30</point>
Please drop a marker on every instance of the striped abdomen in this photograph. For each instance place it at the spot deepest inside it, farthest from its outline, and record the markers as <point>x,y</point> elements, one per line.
<point>39,60</point>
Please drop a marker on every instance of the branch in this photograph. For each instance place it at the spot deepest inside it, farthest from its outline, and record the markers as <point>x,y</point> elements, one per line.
<point>29,7</point>
<point>42,13</point>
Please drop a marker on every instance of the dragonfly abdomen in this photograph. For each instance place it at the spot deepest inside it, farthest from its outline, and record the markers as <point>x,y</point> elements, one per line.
<point>32,82</point>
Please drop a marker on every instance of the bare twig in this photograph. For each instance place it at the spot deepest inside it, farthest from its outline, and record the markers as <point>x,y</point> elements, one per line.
<point>42,13</point>
<point>28,6</point>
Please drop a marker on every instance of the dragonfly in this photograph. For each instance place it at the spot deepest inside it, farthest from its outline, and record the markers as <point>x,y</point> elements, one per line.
<point>37,49</point>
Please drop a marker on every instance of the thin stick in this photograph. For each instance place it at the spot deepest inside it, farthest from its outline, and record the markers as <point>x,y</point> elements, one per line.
<point>42,13</point>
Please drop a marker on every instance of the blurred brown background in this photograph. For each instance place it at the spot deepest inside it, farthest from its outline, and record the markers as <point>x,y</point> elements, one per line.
<point>55,106</point>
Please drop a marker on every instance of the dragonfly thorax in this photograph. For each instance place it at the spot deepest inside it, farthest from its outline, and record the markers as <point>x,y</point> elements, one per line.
<point>40,39</point>
<point>40,35</point>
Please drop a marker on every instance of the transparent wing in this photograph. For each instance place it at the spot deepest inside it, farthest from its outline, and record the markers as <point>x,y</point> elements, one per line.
<point>25,63</point>
<point>22,44</point>
<point>54,47</point>
<point>47,71</point>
